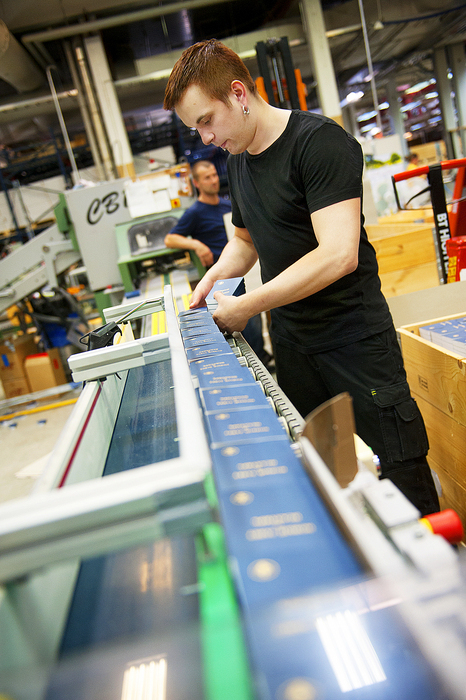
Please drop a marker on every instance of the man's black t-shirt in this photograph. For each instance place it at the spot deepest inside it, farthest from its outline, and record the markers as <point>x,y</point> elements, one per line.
<point>313,164</point>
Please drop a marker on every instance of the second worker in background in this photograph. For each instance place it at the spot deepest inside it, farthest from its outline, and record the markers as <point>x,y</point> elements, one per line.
<point>202,229</point>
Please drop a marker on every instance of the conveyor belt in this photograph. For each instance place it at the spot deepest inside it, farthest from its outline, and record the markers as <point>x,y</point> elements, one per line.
<point>141,602</point>
<point>293,570</point>
<point>153,286</point>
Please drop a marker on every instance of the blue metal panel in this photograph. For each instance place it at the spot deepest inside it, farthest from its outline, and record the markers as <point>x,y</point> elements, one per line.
<point>145,429</point>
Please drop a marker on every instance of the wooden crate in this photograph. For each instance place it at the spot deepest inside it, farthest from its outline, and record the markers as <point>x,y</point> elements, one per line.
<point>437,378</point>
<point>408,216</point>
<point>406,256</point>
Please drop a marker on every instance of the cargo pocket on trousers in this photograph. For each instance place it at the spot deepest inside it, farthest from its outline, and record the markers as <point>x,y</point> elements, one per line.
<point>402,425</point>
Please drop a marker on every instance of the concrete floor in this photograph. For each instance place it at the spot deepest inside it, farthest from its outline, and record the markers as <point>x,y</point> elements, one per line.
<point>27,440</point>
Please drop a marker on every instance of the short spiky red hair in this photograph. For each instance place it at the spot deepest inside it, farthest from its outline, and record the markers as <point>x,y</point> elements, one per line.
<point>212,66</point>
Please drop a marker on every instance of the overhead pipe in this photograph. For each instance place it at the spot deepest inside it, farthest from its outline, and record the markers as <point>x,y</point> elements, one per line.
<point>370,67</point>
<point>74,167</point>
<point>16,66</point>
<point>116,21</point>
<point>94,146</point>
<point>41,104</point>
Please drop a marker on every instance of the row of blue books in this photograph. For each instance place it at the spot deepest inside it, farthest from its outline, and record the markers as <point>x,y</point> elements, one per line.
<point>449,334</point>
<point>298,582</point>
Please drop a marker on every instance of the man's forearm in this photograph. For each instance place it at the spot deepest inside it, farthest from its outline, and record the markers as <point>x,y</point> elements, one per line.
<point>237,258</point>
<point>307,276</point>
<point>174,240</point>
<point>203,252</point>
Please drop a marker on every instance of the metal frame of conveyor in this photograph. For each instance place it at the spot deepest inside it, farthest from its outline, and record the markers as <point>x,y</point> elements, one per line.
<point>35,264</point>
<point>73,513</point>
<point>124,509</point>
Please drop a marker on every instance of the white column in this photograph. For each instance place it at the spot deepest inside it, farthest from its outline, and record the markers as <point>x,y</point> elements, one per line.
<point>109,106</point>
<point>444,88</point>
<point>396,114</point>
<point>321,59</point>
<point>93,145</point>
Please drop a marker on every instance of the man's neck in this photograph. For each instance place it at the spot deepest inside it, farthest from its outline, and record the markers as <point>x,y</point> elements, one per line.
<point>270,124</point>
<point>208,198</point>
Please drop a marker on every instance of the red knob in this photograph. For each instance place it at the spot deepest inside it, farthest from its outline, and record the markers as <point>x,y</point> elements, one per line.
<point>446,523</point>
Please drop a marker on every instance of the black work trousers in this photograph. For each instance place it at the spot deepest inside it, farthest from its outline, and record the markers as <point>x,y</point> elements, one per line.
<point>387,417</point>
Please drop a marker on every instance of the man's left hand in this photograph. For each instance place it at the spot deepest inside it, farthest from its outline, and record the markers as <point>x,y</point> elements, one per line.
<point>228,315</point>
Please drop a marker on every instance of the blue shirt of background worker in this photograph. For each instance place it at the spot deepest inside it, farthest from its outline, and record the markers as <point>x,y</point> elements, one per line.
<point>201,228</point>
<point>205,223</point>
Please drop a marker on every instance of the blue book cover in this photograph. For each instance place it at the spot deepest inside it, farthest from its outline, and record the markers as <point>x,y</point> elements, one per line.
<point>306,647</point>
<point>234,398</point>
<point>199,330</point>
<point>449,334</point>
<point>256,465</point>
<point>227,287</point>
<point>200,340</point>
<point>192,313</point>
<point>250,425</point>
<point>221,371</point>
<point>202,322</point>
<point>207,351</point>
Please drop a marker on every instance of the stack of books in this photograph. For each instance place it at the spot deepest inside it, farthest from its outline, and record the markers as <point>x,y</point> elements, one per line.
<point>450,334</point>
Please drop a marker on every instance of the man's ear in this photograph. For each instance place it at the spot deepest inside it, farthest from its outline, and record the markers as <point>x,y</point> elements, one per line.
<point>238,89</point>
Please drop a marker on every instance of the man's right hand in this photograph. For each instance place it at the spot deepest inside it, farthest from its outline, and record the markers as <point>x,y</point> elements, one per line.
<point>204,254</point>
<point>202,289</point>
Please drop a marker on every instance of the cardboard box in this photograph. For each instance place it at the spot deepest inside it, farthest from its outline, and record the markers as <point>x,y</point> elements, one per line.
<point>13,354</point>
<point>44,370</point>
<point>437,378</point>
<point>405,255</point>
<point>13,388</point>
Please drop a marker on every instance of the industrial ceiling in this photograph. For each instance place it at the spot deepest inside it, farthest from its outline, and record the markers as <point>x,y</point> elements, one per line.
<point>140,37</point>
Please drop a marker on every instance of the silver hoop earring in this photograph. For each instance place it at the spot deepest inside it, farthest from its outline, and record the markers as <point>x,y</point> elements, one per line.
<point>245,111</point>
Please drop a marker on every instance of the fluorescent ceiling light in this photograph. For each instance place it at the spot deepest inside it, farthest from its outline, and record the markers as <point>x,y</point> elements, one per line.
<point>411,105</point>
<point>354,96</point>
<point>367,115</point>
<point>417,87</point>
<point>420,86</point>
<point>247,53</point>
<point>351,97</point>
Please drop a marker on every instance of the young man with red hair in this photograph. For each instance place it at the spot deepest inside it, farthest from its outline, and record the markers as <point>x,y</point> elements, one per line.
<point>295,183</point>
